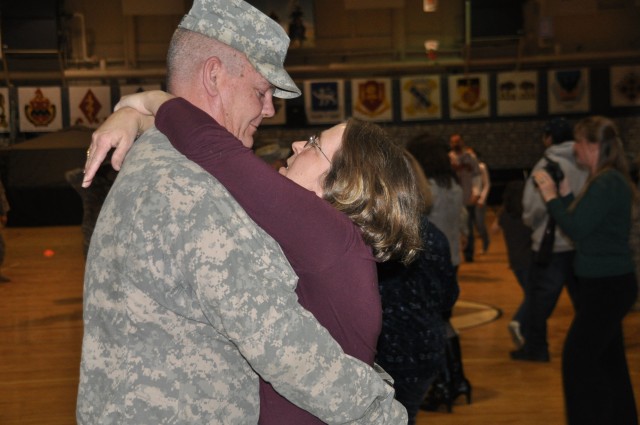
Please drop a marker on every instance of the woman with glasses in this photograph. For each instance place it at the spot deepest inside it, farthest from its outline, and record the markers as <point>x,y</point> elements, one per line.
<point>348,201</point>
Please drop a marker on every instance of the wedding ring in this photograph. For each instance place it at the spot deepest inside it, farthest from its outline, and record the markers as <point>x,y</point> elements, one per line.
<point>88,152</point>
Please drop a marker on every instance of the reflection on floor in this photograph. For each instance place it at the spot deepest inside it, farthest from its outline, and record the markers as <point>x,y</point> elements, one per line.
<point>468,314</point>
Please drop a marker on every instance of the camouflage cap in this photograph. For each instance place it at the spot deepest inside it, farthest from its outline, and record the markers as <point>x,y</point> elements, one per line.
<point>246,29</point>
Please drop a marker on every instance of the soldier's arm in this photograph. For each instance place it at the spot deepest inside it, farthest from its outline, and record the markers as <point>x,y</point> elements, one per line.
<point>281,341</point>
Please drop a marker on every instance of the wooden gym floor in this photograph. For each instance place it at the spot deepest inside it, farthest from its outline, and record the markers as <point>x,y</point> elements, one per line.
<point>41,331</point>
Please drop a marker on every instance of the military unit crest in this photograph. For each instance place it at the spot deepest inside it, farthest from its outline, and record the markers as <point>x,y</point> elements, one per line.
<point>40,111</point>
<point>625,82</point>
<point>327,101</point>
<point>372,98</point>
<point>90,107</point>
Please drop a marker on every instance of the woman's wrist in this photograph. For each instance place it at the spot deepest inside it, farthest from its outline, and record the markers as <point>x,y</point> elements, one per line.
<point>145,122</point>
<point>156,99</point>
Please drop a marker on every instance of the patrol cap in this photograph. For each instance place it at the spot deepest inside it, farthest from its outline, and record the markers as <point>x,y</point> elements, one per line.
<point>246,29</point>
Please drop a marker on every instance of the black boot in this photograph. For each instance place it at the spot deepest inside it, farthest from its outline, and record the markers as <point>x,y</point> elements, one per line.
<point>440,393</point>
<point>450,382</point>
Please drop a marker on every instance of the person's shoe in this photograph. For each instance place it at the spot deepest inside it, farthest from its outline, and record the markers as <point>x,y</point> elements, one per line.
<point>463,387</point>
<point>439,395</point>
<point>4,279</point>
<point>524,355</point>
<point>516,335</point>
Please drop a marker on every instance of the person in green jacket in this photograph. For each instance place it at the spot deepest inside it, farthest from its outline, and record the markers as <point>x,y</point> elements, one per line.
<point>595,375</point>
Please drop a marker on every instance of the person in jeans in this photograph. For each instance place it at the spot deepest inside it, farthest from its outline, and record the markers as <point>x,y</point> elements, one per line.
<point>546,279</point>
<point>517,238</point>
<point>466,165</point>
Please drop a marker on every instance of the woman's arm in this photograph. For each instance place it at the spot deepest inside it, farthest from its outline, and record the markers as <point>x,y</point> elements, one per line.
<point>591,210</point>
<point>311,232</point>
<point>147,103</point>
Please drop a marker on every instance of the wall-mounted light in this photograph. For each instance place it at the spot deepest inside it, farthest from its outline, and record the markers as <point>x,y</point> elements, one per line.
<point>431,47</point>
<point>430,5</point>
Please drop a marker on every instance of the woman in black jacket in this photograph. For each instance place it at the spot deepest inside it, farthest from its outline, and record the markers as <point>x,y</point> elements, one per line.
<point>415,302</point>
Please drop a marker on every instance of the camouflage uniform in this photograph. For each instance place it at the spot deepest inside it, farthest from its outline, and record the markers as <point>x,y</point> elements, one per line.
<point>186,299</point>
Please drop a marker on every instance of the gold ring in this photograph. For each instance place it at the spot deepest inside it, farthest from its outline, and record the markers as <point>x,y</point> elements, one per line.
<point>88,152</point>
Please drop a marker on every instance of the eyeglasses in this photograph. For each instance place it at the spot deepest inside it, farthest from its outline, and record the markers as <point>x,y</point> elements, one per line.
<point>313,142</point>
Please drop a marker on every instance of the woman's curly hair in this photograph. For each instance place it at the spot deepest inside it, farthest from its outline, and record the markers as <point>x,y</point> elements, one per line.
<point>372,181</point>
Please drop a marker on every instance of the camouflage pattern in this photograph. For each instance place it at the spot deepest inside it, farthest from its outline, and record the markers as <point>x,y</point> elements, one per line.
<point>246,29</point>
<point>186,299</point>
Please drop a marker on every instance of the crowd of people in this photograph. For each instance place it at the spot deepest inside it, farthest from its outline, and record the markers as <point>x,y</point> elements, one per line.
<point>222,288</point>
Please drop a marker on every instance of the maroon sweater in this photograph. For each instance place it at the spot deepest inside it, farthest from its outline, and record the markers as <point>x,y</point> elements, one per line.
<point>337,280</point>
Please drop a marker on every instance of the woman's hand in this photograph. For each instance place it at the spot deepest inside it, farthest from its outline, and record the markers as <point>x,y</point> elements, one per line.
<point>134,114</point>
<point>118,131</point>
<point>546,185</point>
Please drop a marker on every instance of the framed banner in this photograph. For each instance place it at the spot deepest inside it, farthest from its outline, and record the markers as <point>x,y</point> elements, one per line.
<point>40,109</point>
<point>517,93</point>
<point>625,85</point>
<point>421,97</point>
<point>469,96</point>
<point>324,101</point>
<point>5,110</point>
<point>568,91</point>
<point>89,106</point>
<point>372,99</point>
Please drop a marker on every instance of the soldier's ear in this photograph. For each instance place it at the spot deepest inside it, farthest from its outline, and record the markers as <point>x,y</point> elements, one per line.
<point>210,73</point>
